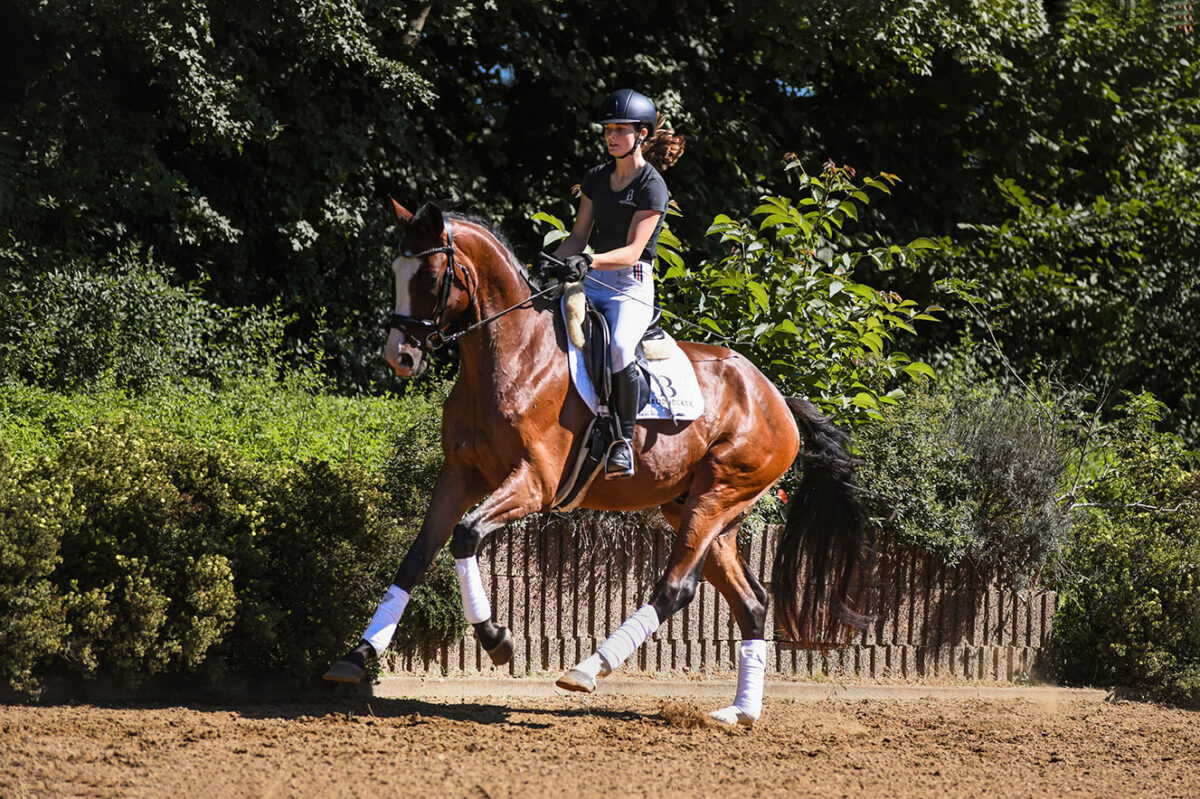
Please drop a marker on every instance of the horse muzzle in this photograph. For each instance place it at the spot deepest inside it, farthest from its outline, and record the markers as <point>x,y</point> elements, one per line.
<point>407,361</point>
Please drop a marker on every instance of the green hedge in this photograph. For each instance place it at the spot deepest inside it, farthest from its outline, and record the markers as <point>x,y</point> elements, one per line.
<point>132,552</point>
<point>260,419</point>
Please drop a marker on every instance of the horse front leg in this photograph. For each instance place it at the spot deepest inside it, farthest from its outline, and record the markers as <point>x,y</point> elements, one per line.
<point>455,491</point>
<point>523,492</point>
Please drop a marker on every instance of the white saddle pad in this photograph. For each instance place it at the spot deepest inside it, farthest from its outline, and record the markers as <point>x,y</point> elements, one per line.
<point>674,390</point>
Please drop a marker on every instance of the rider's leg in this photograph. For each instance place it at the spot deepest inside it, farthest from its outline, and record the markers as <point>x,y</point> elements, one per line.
<point>626,396</point>
<point>627,302</point>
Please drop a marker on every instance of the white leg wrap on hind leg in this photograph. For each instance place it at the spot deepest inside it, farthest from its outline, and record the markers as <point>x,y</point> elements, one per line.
<point>475,602</point>
<point>747,705</point>
<point>383,624</point>
<point>628,637</point>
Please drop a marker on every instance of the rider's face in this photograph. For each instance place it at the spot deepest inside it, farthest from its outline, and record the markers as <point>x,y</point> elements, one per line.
<point>619,136</point>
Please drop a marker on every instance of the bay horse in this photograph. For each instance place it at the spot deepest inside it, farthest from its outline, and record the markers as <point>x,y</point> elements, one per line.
<point>510,426</point>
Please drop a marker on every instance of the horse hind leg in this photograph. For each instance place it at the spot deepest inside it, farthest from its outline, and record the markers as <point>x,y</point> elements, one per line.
<point>747,598</point>
<point>699,526</point>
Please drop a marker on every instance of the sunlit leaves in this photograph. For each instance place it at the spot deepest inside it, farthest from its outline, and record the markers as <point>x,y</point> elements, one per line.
<point>785,294</point>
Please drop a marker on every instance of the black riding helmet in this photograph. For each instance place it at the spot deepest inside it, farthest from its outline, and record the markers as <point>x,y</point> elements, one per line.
<point>626,105</point>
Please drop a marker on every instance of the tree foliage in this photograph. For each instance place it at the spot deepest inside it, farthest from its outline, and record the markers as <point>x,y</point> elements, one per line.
<point>257,146</point>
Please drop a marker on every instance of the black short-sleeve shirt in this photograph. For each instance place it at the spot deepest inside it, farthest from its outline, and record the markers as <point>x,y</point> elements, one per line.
<point>613,210</point>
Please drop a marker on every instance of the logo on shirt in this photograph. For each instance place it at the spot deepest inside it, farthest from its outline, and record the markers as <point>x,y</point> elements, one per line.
<point>628,198</point>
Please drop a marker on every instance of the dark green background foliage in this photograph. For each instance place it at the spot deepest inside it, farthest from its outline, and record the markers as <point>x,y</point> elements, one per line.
<point>126,323</point>
<point>256,147</point>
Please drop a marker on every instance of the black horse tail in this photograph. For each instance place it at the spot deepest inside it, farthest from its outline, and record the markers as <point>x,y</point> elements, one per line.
<point>826,550</point>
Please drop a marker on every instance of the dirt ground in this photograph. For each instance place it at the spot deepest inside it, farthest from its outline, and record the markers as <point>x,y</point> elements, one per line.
<point>602,746</point>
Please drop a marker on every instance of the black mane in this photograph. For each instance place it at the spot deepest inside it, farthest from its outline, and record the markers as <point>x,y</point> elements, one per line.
<point>486,225</point>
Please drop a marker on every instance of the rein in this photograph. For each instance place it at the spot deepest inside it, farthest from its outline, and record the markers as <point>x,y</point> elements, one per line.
<point>437,337</point>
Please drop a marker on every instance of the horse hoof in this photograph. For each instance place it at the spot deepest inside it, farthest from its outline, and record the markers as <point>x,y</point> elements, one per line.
<point>502,652</point>
<point>576,680</point>
<point>345,671</point>
<point>732,717</point>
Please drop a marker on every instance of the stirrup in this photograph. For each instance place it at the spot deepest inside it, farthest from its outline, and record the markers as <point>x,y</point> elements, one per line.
<point>613,469</point>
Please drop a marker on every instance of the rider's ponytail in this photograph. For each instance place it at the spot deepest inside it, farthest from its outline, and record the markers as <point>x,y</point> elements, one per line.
<point>663,148</point>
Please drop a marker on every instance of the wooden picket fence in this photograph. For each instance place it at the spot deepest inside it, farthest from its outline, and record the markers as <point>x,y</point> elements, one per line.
<point>561,592</point>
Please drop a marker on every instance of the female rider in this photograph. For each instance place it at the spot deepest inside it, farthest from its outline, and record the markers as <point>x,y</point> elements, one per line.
<point>624,202</point>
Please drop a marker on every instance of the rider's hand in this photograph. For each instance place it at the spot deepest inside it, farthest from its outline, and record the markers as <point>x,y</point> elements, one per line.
<point>546,265</point>
<point>574,267</point>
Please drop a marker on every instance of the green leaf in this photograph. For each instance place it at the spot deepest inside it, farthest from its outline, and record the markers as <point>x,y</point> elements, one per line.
<point>667,236</point>
<point>774,219</point>
<point>553,236</point>
<point>875,184</point>
<point>923,243</point>
<point>759,294</point>
<point>918,368</point>
<point>542,216</point>
<point>865,399</point>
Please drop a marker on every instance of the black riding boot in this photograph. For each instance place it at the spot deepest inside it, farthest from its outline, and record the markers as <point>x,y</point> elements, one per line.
<point>624,406</point>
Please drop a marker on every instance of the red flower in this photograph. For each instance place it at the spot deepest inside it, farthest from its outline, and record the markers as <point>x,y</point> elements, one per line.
<point>782,495</point>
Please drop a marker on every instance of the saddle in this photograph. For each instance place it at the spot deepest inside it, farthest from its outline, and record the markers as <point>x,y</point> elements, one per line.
<point>668,388</point>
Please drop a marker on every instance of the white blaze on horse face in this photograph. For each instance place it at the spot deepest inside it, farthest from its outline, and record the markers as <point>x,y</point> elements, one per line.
<point>405,359</point>
<point>405,269</point>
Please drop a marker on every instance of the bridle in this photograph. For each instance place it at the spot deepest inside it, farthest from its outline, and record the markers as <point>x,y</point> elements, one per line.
<point>435,325</point>
<point>436,337</point>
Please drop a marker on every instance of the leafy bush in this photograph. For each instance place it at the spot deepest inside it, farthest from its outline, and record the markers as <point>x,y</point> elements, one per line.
<point>786,293</point>
<point>1129,577</point>
<point>132,552</point>
<point>968,474</point>
<point>124,323</point>
<point>32,621</point>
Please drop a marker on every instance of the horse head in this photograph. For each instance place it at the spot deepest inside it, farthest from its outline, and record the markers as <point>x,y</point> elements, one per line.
<point>432,288</point>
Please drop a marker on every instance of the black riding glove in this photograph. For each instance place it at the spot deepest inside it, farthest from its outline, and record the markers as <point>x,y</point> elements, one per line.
<point>546,265</point>
<point>574,267</point>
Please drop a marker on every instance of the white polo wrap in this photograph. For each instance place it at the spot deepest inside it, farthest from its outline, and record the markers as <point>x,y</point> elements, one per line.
<point>470,584</point>
<point>383,624</point>
<point>628,637</point>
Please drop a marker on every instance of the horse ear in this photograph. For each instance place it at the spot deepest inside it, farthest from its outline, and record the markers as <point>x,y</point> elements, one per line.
<point>429,216</point>
<point>403,215</point>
